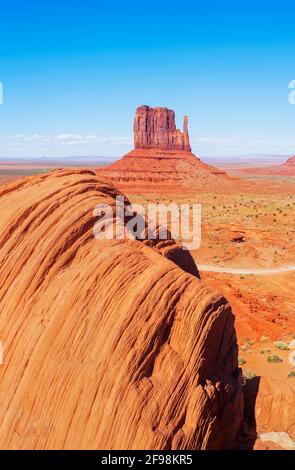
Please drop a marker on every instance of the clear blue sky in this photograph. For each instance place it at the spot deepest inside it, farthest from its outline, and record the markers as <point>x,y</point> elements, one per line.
<point>74,71</point>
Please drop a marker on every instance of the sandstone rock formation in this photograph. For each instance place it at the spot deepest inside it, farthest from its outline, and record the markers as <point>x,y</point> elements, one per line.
<point>162,158</point>
<point>107,343</point>
<point>154,169</point>
<point>155,128</point>
<point>284,169</point>
<point>275,407</point>
<point>269,415</point>
<point>290,161</point>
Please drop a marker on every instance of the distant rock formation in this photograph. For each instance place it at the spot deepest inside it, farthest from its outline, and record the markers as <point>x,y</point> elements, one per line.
<point>162,158</point>
<point>107,343</point>
<point>284,169</point>
<point>275,407</point>
<point>269,421</point>
<point>291,161</point>
<point>155,128</point>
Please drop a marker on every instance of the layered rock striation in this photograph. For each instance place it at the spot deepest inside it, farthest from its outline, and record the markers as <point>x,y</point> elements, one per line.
<point>275,407</point>
<point>108,344</point>
<point>155,128</point>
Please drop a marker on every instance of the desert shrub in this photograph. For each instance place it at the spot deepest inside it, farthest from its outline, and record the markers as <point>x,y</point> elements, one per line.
<point>241,361</point>
<point>248,374</point>
<point>281,345</point>
<point>274,359</point>
<point>265,351</point>
<point>249,341</point>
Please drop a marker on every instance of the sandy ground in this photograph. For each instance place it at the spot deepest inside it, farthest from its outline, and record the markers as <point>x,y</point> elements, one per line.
<point>251,236</point>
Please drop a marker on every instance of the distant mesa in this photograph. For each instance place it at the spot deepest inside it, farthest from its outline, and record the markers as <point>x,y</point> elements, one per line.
<point>162,158</point>
<point>155,128</point>
<point>284,169</point>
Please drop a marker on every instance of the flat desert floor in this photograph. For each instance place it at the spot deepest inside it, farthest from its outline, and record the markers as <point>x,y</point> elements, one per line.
<point>251,237</point>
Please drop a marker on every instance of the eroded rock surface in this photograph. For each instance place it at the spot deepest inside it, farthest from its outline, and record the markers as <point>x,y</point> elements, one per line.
<point>275,407</point>
<point>107,343</point>
<point>155,128</point>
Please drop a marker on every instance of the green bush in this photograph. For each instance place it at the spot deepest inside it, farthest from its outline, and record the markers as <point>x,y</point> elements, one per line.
<point>265,351</point>
<point>241,361</point>
<point>274,359</point>
<point>249,341</point>
<point>281,345</point>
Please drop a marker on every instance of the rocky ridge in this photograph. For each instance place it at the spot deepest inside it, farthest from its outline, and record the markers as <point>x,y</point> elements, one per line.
<point>107,343</point>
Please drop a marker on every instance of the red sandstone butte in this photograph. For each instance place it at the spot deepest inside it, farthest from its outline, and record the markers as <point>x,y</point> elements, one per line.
<point>155,128</point>
<point>162,158</point>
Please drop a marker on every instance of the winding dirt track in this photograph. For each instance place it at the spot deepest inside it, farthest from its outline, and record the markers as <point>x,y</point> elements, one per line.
<point>246,271</point>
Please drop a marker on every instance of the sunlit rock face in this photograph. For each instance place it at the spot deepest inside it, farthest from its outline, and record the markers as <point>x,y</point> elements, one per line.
<point>155,128</point>
<point>108,344</point>
<point>162,159</point>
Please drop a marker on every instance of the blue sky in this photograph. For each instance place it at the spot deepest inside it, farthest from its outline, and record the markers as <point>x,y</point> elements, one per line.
<point>73,73</point>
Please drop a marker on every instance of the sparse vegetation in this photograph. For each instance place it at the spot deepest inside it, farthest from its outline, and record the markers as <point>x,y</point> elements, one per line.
<point>241,361</point>
<point>249,341</point>
<point>291,374</point>
<point>281,345</point>
<point>248,374</point>
<point>274,359</point>
<point>265,351</point>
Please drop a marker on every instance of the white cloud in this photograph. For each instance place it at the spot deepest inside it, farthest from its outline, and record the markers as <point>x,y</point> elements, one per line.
<point>17,137</point>
<point>206,145</point>
<point>79,144</point>
<point>91,138</point>
<point>28,138</point>
<point>69,138</point>
<point>211,140</point>
<point>36,138</point>
<point>63,145</point>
